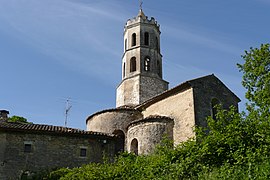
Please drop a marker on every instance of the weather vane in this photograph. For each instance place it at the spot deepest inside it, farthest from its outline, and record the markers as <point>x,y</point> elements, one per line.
<point>141,3</point>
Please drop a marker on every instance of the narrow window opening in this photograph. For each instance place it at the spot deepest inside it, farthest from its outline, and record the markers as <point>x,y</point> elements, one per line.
<point>134,146</point>
<point>133,64</point>
<point>27,148</point>
<point>83,152</point>
<point>146,38</point>
<point>124,70</point>
<point>147,64</point>
<point>125,44</point>
<point>133,39</point>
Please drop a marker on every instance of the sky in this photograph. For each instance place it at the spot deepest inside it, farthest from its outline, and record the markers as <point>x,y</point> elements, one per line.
<point>54,50</point>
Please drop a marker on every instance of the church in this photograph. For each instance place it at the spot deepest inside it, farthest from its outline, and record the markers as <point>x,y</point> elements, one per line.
<point>146,111</point>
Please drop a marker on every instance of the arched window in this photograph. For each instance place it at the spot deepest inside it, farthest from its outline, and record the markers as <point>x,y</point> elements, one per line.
<point>120,144</point>
<point>125,44</point>
<point>132,64</point>
<point>147,64</point>
<point>133,39</point>
<point>146,38</point>
<point>214,104</point>
<point>134,146</point>
<point>159,69</point>
<point>124,70</point>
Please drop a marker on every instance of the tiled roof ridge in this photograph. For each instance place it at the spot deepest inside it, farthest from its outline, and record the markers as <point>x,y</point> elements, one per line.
<point>121,108</point>
<point>47,129</point>
<point>156,116</point>
<point>176,89</point>
<point>151,118</point>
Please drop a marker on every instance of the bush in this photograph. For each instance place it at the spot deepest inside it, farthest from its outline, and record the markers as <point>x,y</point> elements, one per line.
<point>234,146</point>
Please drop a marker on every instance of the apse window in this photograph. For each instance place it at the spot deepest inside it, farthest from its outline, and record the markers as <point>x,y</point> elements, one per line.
<point>27,147</point>
<point>83,152</point>
<point>134,146</point>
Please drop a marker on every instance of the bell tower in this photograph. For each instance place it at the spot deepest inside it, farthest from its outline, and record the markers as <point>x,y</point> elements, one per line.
<point>141,62</point>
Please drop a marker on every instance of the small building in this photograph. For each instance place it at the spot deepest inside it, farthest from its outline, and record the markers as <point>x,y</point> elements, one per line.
<point>34,147</point>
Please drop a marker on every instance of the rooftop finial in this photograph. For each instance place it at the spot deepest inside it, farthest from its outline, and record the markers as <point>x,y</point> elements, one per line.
<point>141,3</point>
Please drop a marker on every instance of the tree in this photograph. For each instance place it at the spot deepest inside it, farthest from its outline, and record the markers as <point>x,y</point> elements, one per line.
<point>18,119</point>
<point>256,78</point>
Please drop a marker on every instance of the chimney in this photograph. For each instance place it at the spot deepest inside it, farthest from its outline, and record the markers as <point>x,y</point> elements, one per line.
<point>4,115</point>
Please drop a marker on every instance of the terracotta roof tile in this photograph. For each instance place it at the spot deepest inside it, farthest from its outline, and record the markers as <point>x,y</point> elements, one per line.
<point>152,118</point>
<point>118,109</point>
<point>41,128</point>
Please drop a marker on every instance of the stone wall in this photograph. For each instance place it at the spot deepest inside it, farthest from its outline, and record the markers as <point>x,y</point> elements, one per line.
<point>2,155</point>
<point>128,91</point>
<point>108,121</point>
<point>179,107</point>
<point>148,133</point>
<point>49,151</point>
<point>207,89</point>
<point>112,121</point>
<point>137,89</point>
<point>150,87</point>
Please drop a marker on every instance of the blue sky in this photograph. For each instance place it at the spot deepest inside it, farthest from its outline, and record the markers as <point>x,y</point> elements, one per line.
<point>53,50</point>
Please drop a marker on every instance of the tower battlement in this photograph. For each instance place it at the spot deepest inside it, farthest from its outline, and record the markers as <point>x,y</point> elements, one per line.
<point>141,18</point>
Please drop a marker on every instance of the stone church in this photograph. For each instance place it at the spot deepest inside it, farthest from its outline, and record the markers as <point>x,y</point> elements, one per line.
<point>146,111</point>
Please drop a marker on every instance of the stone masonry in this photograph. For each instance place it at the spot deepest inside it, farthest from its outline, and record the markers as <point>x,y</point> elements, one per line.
<point>35,149</point>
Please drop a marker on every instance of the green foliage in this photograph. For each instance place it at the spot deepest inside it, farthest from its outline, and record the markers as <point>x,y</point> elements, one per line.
<point>57,174</point>
<point>233,146</point>
<point>256,170</point>
<point>18,119</point>
<point>256,78</point>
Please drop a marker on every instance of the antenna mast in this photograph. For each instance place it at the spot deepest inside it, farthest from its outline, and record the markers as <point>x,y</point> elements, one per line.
<point>68,107</point>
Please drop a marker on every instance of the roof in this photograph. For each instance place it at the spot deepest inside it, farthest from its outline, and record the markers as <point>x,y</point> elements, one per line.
<point>118,109</point>
<point>181,87</point>
<point>141,14</point>
<point>46,129</point>
<point>152,118</point>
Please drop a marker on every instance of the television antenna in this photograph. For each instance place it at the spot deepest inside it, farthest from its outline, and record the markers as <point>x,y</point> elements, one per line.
<point>68,107</point>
